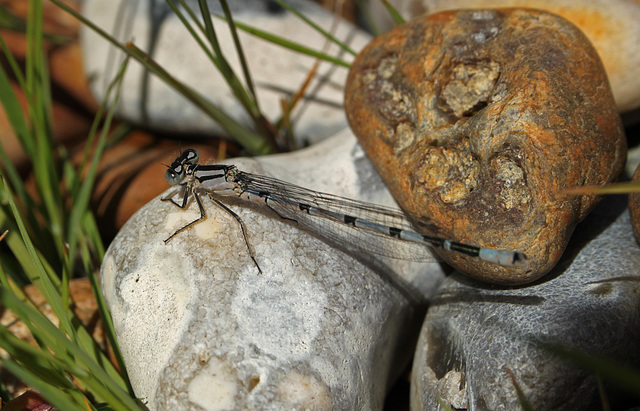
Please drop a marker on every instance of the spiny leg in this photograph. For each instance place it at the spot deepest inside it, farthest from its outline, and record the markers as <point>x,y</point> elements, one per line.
<point>242,228</point>
<point>184,202</point>
<point>186,190</point>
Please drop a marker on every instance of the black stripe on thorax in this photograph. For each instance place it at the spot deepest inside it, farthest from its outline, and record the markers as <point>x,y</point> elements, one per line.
<point>209,172</point>
<point>209,177</point>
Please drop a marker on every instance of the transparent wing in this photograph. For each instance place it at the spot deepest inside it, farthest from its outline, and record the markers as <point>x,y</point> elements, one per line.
<point>288,200</point>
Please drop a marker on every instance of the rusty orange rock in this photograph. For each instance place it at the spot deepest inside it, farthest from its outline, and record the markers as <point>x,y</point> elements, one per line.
<point>475,120</point>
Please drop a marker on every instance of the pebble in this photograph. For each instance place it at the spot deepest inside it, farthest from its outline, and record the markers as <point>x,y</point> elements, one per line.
<point>611,26</point>
<point>474,335</point>
<point>476,119</point>
<point>318,329</point>
<point>277,73</point>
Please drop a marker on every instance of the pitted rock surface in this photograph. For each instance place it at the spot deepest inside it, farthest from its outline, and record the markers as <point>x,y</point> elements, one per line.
<point>475,119</point>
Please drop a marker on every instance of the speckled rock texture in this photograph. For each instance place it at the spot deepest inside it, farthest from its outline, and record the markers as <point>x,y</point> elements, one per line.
<point>318,329</point>
<point>475,119</point>
<point>475,334</point>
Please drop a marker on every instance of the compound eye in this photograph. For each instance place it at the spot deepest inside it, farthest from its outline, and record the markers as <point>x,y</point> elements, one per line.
<point>174,175</point>
<point>191,156</point>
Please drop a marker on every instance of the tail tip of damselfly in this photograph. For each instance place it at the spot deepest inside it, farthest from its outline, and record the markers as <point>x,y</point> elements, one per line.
<point>519,259</point>
<point>504,258</point>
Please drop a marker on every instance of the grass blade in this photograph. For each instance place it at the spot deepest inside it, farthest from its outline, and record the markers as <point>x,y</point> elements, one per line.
<point>216,56</point>
<point>297,47</point>
<point>251,141</point>
<point>39,103</point>
<point>241,56</point>
<point>624,377</point>
<point>397,18</point>
<point>54,395</point>
<point>522,398</point>
<point>619,188</point>
<point>10,101</point>
<point>319,29</point>
<point>14,114</point>
<point>43,280</point>
<point>81,194</point>
<point>66,356</point>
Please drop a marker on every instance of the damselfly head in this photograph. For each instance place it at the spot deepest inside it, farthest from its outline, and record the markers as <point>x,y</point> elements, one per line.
<point>190,156</point>
<point>175,174</point>
<point>182,166</point>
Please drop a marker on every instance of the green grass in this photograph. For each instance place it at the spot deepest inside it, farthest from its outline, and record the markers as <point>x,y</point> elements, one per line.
<point>52,237</point>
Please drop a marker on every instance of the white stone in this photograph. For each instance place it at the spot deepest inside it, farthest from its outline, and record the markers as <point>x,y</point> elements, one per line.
<point>199,326</point>
<point>277,72</point>
<point>611,25</point>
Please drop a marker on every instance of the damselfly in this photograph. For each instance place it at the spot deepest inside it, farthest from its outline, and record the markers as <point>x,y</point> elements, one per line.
<point>369,227</point>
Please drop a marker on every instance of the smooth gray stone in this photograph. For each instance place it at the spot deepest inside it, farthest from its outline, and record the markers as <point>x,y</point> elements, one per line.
<point>474,333</point>
<point>321,328</point>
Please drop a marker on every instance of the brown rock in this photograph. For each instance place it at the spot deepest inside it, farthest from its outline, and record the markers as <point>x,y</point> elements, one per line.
<point>475,119</point>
